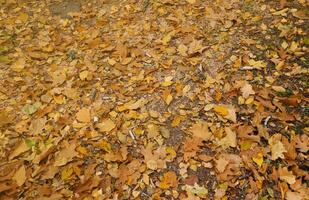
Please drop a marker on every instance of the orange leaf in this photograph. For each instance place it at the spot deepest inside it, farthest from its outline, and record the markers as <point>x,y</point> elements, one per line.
<point>83,115</point>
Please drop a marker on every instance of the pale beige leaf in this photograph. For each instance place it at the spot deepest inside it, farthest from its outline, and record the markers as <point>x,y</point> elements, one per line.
<point>20,176</point>
<point>200,130</point>
<point>247,90</point>
<point>229,140</point>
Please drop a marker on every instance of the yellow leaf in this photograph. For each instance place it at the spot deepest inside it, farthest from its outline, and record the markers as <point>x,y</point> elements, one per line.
<point>167,81</point>
<point>60,99</point>
<point>167,97</point>
<point>105,146</point>
<point>258,159</point>
<point>171,153</point>
<point>106,125</point>
<point>221,110</point>
<point>278,88</point>
<point>111,61</point>
<point>276,147</point>
<point>21,148</point>
<point>182,49</point>
<point>19,65</point>
<point>245,145</point>
<point>82,150</point>
<point>83,75</point>
<point>83,115</point>
<point>23,17</point>
<point>191,1</point>
<point>138,131</point>
<point>166,39</point>
<point>66,173</point>
<point>230,139</point>
<point>226,111</point>
<point>176,121</point>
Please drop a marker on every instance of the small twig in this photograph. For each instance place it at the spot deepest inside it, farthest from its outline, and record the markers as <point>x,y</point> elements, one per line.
<point>131,134</point>
<point>266,120</point>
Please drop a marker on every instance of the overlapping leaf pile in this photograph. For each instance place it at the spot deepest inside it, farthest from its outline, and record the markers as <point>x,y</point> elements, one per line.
<point>150,99</point>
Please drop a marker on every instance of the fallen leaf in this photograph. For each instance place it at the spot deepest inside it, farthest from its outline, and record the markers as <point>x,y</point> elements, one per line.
<point>167,97</point>
<point>227,112</point>
<point>29,109</point>
<point>182,49</point>
<point>106,125</point>
<point>83,115</point>
<point>258,159</point>
<point>66,154</point>
<point>247,90</point>
<point>200,191</point>
<point>21,148</point>
<point>191,1</point>
<point>66,173</point>
<point>286,175</point>
<point>276,147</point>
<point>200,130</point>
<point>278,88</point>
<point>169,180</point>
<point>229,140</point>
<point>221,164</point>
<point>20,176</point>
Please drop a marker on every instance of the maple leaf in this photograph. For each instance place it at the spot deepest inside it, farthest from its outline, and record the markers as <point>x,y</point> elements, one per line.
<point>229,140</point>
<point>286,175</point>
<point>247,90</point>
<point>276,147</point>
<point>195,46</point>
<point>225,111</point>
<point>182,49</point>
<point>169,180</point>
<point>200,130</point>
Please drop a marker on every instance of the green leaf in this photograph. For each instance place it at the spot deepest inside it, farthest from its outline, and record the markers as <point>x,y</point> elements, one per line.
<point>4,59</point>
<point>270,192</point>
<point>29,109</point>
<point>306,40</point>
<point>30,143</point>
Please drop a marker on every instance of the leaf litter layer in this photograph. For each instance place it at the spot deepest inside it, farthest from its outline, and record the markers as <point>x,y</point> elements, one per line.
<point>154,99</point>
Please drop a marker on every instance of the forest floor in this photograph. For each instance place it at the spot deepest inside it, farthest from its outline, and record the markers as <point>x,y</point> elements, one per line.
<point>128,99</point>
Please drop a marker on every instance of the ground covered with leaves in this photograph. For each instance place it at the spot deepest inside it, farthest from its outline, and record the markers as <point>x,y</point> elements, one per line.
<point>149,99</point>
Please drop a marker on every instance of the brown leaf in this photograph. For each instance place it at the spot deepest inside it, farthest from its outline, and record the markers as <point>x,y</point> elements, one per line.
<point>21,148</point>
<point>66,154</point>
